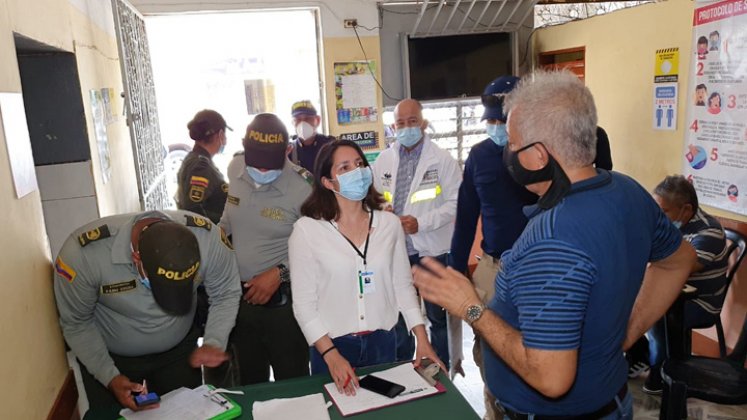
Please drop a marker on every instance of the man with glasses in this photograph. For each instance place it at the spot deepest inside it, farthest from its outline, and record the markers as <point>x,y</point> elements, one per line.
<point>488,190</point>
<point>420,183</point>
<point>125,289</point>
<point>568,299</point>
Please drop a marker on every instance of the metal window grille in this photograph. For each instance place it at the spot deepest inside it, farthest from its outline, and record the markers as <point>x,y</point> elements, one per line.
<point>453,125</point>
<point>140,103</point>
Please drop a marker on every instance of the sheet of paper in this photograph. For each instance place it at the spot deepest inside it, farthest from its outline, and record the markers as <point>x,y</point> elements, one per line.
<point>365,400</point>
<point>309,407</point>
<point>182,404</point>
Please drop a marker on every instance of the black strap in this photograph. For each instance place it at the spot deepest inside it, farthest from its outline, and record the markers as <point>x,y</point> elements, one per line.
<point>365,247</point>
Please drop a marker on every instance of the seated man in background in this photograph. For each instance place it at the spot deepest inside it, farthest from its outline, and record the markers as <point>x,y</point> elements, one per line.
<point>677,198</point>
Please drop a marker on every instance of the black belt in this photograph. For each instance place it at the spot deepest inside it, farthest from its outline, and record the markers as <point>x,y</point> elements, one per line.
<point>606,410</point>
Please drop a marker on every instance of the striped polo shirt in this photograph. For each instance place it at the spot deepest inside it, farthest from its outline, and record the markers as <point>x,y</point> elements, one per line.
<point>569,282</point>
<point>705,234</point>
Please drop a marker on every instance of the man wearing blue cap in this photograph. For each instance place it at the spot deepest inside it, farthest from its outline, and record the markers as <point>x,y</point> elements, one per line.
<point>487,189</point>
<point>308,140</point>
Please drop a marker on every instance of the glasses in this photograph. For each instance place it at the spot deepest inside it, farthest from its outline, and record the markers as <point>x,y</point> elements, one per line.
<point>493,101</point>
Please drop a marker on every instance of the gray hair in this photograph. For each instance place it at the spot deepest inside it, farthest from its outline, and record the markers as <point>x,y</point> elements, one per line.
<point>558,111</point>
<point>677,190</point>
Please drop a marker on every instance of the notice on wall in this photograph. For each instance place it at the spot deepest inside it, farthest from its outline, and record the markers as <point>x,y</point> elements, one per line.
<point>364,139</point>
<point>715,153</point>
<point>18,143</point>
<point>98,111</point>
<point>666,74</point>
<point>355,92</point>
<point>665,106</point>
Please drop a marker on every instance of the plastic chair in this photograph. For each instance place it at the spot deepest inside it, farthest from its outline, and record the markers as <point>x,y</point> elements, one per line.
<point>736,242</point>
<point>722,381</point>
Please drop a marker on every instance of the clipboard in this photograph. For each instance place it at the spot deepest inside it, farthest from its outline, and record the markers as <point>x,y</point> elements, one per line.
<point>416,387</point>
<point>189,404</point>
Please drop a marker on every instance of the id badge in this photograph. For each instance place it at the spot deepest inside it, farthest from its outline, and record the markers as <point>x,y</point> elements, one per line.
<point>367,283</point>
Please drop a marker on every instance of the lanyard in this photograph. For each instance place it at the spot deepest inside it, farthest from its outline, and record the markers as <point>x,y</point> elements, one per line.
<point>365,247</point>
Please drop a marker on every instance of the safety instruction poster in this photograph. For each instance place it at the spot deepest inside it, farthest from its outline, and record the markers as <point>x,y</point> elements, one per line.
<point>715,152</point>
<point>355,92</point>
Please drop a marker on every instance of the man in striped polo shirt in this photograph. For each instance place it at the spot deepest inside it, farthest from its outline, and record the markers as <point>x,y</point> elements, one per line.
<point>678,200</point>
<point>567,296</point>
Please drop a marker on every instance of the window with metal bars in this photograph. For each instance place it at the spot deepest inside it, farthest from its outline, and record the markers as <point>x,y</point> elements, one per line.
<point>453,125</point>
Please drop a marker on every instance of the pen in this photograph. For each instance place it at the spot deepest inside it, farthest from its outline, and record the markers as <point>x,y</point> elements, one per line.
<point>412,391</point>
<point>347,381</point>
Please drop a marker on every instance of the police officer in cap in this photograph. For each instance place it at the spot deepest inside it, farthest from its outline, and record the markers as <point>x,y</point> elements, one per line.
<point>265,194</point>
<point>125,290</point>
<point>488,190</point>
<point>308,140</point>
<point>202,188</point>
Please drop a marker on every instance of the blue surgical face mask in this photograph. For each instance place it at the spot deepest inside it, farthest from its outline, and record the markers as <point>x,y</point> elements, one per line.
<point>409,136</point>
<point>145,281</point>
<point>263,178</point>
<point>354,184</point>
<point>497,133</point>
<point>677,224</point>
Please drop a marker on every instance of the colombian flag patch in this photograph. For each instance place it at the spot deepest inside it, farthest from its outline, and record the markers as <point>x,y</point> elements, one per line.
<point>64,270</point>
<point>199,181</point>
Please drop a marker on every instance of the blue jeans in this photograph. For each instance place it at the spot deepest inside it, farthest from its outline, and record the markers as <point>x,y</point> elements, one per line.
<point>363,350</point>
<point>439,333</point>
<point>657,335</point>
<point>624,409</point>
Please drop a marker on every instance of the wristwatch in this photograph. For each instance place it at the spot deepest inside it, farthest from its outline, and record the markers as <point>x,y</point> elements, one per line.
<point>474,312</point>
<point>285,275</point>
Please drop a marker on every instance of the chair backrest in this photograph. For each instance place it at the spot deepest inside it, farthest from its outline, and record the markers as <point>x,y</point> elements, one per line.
<point>738,244</point>
<point>739,353</point>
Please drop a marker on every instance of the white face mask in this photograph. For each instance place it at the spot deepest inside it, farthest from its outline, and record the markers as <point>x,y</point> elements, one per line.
<point>305,130</point>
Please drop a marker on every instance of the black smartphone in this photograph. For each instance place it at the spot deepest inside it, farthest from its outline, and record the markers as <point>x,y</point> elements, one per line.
<point>381,386</point>
<point>147,399</point>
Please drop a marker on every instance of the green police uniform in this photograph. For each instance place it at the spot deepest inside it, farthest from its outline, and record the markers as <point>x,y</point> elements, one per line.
<point>202,188</point>
<point>260,220</point>
<point>112,322</point>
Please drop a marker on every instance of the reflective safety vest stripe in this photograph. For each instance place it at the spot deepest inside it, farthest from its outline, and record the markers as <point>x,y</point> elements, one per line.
<point>426,194</point>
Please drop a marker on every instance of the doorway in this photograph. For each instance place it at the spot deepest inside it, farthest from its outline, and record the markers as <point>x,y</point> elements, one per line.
<point>237,63</point>
<point>59,138</point>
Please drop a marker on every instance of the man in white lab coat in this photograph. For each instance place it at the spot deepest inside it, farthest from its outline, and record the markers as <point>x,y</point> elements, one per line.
<point>421,182</point>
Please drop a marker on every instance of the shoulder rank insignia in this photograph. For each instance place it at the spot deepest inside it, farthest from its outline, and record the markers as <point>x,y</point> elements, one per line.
<point>306,175</point>
<point>224,239</point>
<point>233,200</point>
<point>100,232</point>
<point>197,221</point>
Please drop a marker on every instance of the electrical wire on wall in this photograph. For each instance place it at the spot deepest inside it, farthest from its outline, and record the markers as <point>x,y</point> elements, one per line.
<point>373,74</point>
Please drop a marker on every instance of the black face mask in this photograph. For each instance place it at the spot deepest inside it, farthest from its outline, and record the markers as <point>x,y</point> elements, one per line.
<point>550,172</point>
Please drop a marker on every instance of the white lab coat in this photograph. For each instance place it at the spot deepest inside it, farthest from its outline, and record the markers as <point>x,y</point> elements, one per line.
<point>432,198</point>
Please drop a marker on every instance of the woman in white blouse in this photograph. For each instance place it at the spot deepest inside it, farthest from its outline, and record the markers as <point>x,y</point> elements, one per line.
<point>350,275</point>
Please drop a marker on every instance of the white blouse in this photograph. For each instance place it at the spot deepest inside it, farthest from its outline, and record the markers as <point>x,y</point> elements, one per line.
<point>335,293</point>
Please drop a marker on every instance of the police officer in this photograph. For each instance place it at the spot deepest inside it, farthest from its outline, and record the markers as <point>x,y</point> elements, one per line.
<point>125,290</point>
<point>487,189</point>
<point>202,188</point>
<point>308,140</point>
<point>265,194</point>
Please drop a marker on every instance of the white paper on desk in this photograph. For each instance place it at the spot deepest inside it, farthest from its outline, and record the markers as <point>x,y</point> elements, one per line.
<point>181,404</point>
<point>365,400</point>
<point>309,407</point>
